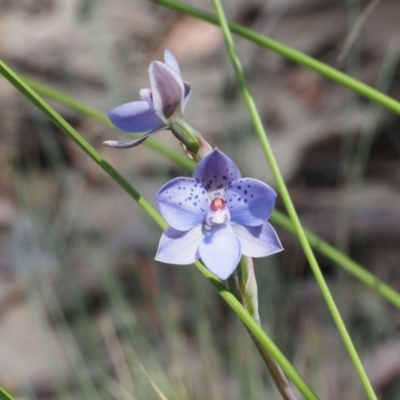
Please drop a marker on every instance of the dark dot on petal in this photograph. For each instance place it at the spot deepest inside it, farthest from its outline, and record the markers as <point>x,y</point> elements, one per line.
<point>203,191</point>
<point>180,203</point>
<point>252,196</point>
<point>248,186</point>
<point>245,192</point>
<point>239,187</point>
<point>224,177</point>
<point>195,204</point>
<point>245,200</point>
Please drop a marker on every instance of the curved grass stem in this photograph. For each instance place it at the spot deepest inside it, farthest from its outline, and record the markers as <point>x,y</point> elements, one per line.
<point>291,54</point>
<point>250,301</point>
<point>288,201</point>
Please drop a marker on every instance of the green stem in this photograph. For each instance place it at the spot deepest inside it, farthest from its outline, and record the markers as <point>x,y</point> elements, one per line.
<point>242,313</point>
<point>246,293</point>
<point>291,54</point>
<point>341,259</point>
<point>4,395</point>
<point>323,247</point>
<point>186,134</point>
<point>288,201</point>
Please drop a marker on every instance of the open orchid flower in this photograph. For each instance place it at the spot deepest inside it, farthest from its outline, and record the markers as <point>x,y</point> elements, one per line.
<point>160,106</point>
<point>216,216</point>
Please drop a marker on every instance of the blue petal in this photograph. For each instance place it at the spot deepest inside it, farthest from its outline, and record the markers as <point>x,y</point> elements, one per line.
<point>220,250</point>
<point>187,89</point>
<point>216,171</point>
<point>250,201</point>
<point>167,89</point>
<point>145,95</point>
<point>136,117</point>
<point>183,203</point>
<point>258,241</point>
<point>170,60</point>
<point>177,247</point>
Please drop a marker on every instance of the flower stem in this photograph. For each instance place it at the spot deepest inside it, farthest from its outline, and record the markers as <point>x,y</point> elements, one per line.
<point>186,134</point>
<point>243,285</point>
<point>289,204</point>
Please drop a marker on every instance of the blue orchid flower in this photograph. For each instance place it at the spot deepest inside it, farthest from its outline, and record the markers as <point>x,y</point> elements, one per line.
<point>161,105</point>
<point>216,216</point>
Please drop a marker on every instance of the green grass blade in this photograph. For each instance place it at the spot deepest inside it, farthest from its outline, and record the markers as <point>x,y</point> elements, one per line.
<point>252,325</point>
<point>323,247</point>
<point>288,202</point>
<point>4,395</point>
<point>258,332</point>
<point>341,259</point>
<point>291,54</point>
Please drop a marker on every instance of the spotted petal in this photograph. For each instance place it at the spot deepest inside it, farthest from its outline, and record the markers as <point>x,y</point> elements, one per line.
<point>136,117</point>
<point>177,247</point>
<point>220,250</point>
<point>258,241</point>
<point>183,203</point>
<point>250,201</point>
<point>167,89</point>
<point>216,171</point>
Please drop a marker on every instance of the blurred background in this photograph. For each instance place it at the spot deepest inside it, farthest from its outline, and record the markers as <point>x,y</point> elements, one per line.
<point>85,311</point>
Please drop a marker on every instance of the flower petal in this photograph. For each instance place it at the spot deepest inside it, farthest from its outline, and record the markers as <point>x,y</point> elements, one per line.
<point>145,95</point>
<point>167,90</point>
<point>187,89</point>
<point>216,171</point>
<point>183,203</point>
<point>170,60</point>
<point>220,250</point>
<point>177,247</point>
<point>136,117</point>
<point>250,201</point>
<point>126,144</point>
<point>258,241</point>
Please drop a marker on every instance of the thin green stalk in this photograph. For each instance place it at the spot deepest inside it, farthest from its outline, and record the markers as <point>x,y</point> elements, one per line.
<point>291,54</point>
<point>341,259</point>
<point>250,323</point>
<point>236,286</point>
<point>323,247</point>
<point>4,395</point>
<point>288,201</point>
<point>255,329</point>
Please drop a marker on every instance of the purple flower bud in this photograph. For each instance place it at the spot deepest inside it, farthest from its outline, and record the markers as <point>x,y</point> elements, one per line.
<point>216,216</point>
<point>160,106</point>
